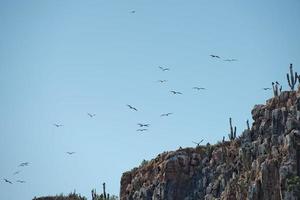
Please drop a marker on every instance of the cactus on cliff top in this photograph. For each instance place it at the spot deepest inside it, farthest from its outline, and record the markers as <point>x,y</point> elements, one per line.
<point>232,134</point>
<point>248,126</point>
<point>103,196</point>
<point>292,79</point>
<point>276,89</point>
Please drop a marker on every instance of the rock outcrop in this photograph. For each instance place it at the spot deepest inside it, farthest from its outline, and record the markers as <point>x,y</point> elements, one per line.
<point>263,163</point>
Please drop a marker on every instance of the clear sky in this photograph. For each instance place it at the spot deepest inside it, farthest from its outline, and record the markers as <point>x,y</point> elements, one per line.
<point>60,59</point>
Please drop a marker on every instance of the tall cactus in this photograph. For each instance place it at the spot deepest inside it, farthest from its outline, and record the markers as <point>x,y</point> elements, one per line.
<point>248,126</point>
<point>232,134</point>
<point>103,196</point>
<point>276,89</point>
<point>104,193</point>
<point>292,79</point>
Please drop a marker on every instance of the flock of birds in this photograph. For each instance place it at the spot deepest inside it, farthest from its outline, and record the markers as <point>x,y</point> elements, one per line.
<point>143,127</point>
<point>23,164</point>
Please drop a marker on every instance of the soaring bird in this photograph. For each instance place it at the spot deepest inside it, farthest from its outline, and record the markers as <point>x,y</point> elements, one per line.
<point>131,107</point>
<point>20,181</point>
<point>164,69</point>
<point>215,56</point>
<point>7,181</point>
<point>17,172</point>
<point>162,81</point>
<point>91,115</point>
<point>142,129</point>
<point>143,125</point>
<point>199,88</point>
<point>230,60</point>
<point>58,125</point>
<point>266,88</point>
<point>174,92</point>
<point>166,114</point>
<point>133,11</point>
<point>70,152</point>
<point>24,164</point>
<point>198,143</point>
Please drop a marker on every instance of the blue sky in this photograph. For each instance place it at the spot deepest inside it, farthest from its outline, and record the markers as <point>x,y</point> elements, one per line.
<point>60,60</point>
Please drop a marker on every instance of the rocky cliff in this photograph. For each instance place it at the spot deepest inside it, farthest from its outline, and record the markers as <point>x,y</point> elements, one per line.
<point>263,163</point>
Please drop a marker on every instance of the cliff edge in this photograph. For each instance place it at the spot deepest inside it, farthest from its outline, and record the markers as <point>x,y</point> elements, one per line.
<point>263,163</point>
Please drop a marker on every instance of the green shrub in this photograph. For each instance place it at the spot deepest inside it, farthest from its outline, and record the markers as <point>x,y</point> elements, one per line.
<point>293,184</point>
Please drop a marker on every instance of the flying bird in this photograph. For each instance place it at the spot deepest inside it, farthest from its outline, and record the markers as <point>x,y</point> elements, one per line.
<point>266,88</point>
<point>91,115</point>
<point>24,164</point>
<point>143,125</point>
<point>198,143</point>
<point>7,181</point>
<point>70,152</point>
<point>133,11</point>
<point>20,181</point>
<point>215,56</point>
<point>164,69</point>
<point>174,92</point>
<point>199,88</point>
<point>58,125</point>
<point>166,114</point>
<point>230,60</point>
<point>162,81</point>
<point>132,108</point>
<point>17,172</point>
<point>142,129</point>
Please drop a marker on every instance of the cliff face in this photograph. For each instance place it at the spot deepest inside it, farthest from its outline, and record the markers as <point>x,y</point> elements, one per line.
<point>262,164</point>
